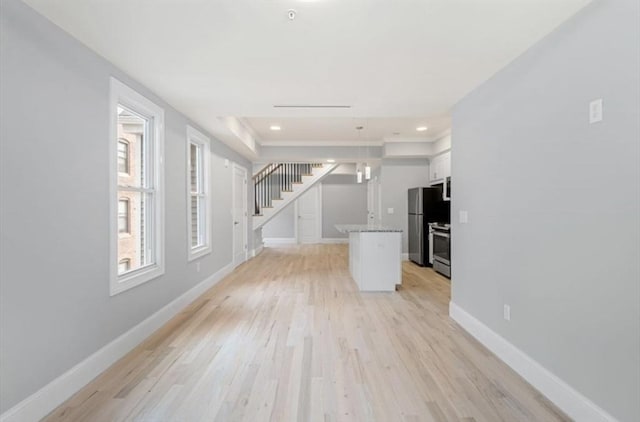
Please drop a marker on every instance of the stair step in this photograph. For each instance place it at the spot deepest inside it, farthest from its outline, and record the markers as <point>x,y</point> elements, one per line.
<point>285,183</point>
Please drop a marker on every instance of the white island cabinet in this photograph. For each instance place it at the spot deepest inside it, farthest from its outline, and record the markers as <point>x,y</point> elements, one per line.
<point>375,259</point>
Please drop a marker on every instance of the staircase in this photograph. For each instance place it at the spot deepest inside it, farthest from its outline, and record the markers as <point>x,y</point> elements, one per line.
<point>279,184</point>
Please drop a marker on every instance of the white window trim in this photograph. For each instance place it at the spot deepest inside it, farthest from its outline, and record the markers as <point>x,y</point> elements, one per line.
<point>194,136</point>
<point>120,93</point>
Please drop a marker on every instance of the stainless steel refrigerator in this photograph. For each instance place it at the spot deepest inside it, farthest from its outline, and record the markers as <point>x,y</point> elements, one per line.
<point>425,206</point>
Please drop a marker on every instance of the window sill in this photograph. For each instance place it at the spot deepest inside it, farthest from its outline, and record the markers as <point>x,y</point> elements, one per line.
<point>121,284</point>
<point>198,252</point>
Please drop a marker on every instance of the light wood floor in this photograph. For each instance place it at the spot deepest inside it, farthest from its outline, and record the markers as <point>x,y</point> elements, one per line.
<point>288,337</point>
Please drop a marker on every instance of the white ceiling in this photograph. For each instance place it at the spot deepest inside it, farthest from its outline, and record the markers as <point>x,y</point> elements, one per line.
<point>342,130</point>
<point>396,63</point>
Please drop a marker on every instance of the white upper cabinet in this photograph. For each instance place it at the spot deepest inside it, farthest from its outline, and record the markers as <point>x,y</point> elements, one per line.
<point>440,167</point>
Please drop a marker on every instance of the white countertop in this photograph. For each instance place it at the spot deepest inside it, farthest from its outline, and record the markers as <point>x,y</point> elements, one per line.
<point>363,228</point>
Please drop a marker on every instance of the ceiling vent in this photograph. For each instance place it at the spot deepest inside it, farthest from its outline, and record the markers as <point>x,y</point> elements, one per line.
<point>310,106</point>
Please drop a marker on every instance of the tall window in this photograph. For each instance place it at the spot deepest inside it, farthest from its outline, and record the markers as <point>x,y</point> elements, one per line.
<point>123,156</point>
<point>199,213</point>
<point>137,177</point>
<point>123,215</point>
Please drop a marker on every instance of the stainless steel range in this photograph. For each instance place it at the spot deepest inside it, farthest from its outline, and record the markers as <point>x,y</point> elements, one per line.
<point>442,248</point>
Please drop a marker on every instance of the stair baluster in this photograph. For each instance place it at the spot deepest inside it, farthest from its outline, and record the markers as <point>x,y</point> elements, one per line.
<point>275,178</point>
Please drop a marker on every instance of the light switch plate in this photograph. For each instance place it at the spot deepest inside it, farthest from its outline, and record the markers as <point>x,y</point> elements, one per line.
<point>595,111</point>
<point>463,217</point>
<point>389,210</point>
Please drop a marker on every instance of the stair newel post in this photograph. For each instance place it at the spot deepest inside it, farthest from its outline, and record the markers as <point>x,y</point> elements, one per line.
<point>271,190</point>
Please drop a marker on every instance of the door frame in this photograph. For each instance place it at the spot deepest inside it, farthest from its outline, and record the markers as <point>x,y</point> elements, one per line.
<point>318,222</point>
<point>245,231</point>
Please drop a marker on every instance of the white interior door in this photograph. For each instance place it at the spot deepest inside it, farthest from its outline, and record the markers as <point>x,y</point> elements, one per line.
<point>374,212</point>
<point>239,214</point>
<point>309,220</point>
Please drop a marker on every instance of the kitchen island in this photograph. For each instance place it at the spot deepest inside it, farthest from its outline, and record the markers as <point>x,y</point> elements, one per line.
<point>375,260</point>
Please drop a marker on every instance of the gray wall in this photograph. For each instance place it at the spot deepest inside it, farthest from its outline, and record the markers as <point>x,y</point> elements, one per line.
<point>343,202</point>
<point>55,308</point>
<point>396,178</point>
<point>282,225</point>
<point>554,205</point>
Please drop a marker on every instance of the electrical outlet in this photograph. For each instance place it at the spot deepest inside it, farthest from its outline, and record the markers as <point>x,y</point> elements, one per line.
<point>464,217</point>
<point>595,111</point>
<point>389,210</point>
<point>197,267</point>
<point>507,312</point>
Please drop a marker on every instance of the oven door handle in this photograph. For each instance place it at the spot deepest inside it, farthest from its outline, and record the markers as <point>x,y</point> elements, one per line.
<point>435,233</point>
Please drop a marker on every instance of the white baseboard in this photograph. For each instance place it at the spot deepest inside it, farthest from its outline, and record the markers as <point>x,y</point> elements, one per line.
<point>331,240</point>
<point>273,241</point>
<point>574,404</point>
<point>405,256</point>
<point>255,252</point>
<point>42,402</point>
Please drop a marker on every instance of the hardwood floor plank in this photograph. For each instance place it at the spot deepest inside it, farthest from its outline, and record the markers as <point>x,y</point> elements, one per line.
<point>288,337</point>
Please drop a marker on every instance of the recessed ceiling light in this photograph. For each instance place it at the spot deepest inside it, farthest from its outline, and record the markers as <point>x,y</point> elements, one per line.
<point>331,160</point>
<point>274,127</point>
<point>421,128</point>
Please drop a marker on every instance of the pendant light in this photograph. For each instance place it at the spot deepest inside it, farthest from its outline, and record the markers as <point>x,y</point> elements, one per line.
<point>367,167</point>
<point>358,165</point>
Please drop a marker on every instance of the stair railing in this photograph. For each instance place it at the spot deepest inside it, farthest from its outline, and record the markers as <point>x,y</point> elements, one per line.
<point>275,178</point>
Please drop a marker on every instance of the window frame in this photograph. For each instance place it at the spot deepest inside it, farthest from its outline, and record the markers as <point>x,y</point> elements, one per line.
<point>121,94</point>
<point>195,137</point>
